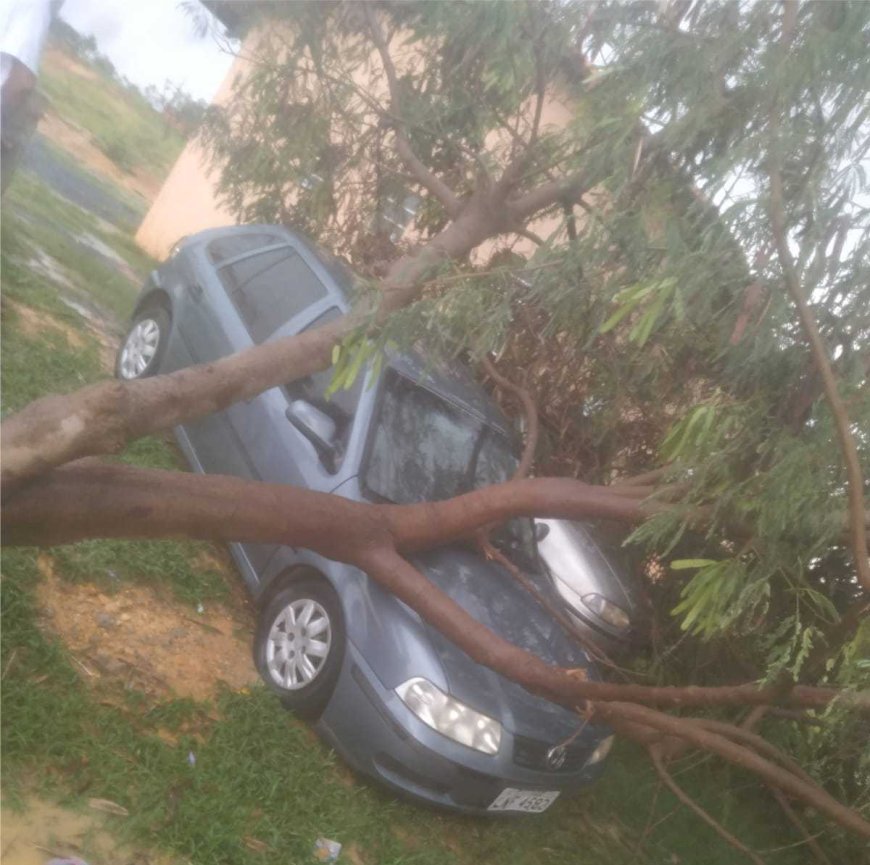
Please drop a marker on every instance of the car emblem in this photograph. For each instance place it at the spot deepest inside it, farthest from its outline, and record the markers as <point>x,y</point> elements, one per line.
<point>556,757</point>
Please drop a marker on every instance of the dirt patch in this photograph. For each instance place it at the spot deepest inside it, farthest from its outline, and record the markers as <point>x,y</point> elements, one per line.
<point>35,322</point>
<point>44,830</point>
<point>61,60</point>
<point>155,645</point>
<point>78,143</point>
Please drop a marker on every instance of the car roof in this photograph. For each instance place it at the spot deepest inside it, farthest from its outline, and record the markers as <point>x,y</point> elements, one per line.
<point>337,268</point>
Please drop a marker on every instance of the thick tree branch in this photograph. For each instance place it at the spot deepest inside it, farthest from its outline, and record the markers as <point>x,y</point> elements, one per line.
<point>546,195</point>
<point>91,499</point>
<point>102,418</point>
<point>437,187</point>
<point>100,500</point>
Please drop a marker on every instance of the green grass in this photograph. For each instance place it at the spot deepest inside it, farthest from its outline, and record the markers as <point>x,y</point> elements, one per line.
<point>30,363</point>
<point>259,774</point>
<point>120,122</point>
<point>34,217</point>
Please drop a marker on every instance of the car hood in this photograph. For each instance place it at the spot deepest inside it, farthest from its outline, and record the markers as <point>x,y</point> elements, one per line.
<point>491,595</point>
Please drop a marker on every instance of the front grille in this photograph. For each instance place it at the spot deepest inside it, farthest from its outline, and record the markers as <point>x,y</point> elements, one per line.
<point>532,754</point>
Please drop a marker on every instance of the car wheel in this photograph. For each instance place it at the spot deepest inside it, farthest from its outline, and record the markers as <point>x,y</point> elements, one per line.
<point>144,344</point>
<point>299,645</point>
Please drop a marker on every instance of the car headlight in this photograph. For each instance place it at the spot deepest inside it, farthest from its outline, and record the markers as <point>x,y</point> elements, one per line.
<point>450,717</point>
<point>601,751</point>
<point>615,616</point>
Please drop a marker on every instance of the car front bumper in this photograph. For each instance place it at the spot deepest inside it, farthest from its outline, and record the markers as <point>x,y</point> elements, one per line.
<point>373,730</point>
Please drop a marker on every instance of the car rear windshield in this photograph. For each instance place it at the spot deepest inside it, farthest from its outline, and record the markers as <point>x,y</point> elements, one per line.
<point>426,448</point>
<point>270,288</point>
<point>233,245</point>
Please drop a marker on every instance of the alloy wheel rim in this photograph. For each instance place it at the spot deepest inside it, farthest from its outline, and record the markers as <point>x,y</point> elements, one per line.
<point>298,644</point>
<point>139,348</point>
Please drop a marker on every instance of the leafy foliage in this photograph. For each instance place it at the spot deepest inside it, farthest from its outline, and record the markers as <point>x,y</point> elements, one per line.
<point>651,320</point>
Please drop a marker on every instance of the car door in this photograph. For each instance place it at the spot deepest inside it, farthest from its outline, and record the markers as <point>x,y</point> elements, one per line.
<point>272,292</point>
<point>278,445</point>
<point>209,328</point>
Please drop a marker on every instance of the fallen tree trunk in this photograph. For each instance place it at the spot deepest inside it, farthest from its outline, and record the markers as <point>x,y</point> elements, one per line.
<point>90,499</point>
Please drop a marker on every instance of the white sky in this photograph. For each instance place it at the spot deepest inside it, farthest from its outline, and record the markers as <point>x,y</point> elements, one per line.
<point>149,41</point>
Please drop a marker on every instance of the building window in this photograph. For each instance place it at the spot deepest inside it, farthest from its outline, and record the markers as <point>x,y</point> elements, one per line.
<point>397,211</point>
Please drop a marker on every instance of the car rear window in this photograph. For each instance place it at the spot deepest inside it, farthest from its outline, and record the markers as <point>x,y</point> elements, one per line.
<point>234,245</point>
<point>270,288</point>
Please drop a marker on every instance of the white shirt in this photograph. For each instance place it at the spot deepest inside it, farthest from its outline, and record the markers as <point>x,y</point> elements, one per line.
<point>23,28</point>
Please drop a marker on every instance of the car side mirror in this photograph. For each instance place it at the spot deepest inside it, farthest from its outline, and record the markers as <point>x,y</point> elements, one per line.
<point>541,531</point>
<point>318,427</point>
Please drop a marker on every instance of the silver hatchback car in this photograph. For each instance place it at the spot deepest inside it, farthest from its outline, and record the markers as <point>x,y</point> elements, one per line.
<point>397,700</point>
<point>601,592</point>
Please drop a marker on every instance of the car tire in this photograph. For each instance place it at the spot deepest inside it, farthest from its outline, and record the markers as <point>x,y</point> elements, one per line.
<point>299,645</point>
<point>143,346</point>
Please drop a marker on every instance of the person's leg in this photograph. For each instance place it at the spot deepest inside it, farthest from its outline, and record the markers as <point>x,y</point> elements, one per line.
<point>20,110</point>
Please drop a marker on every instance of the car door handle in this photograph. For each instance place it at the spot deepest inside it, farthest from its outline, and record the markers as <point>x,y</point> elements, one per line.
<point>195,291</point>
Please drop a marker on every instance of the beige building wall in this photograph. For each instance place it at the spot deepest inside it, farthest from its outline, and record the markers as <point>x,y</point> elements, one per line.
<point>185,204</point>
<point>187,201</point>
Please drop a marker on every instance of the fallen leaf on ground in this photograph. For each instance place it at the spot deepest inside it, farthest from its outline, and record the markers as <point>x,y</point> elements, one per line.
<point>108,807</point>
<point>256,844</point>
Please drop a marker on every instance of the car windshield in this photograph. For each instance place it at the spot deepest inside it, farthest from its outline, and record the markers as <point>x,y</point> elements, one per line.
<point>426,448</point>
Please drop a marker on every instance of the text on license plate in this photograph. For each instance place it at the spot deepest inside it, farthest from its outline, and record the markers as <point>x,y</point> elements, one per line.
<point>531,801</point>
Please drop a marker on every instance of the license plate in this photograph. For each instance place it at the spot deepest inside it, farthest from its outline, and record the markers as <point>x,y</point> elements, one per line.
<point>530,801</point>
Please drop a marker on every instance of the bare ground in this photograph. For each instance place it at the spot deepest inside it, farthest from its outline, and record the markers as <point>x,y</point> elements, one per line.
<point>145,641</point>
<point>45,830</point>
<point>35,322</point>
<point>79,144</point>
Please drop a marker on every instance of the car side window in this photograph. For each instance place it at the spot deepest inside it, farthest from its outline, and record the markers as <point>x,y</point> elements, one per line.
<point>340,405</point>
<point>269,288</point>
